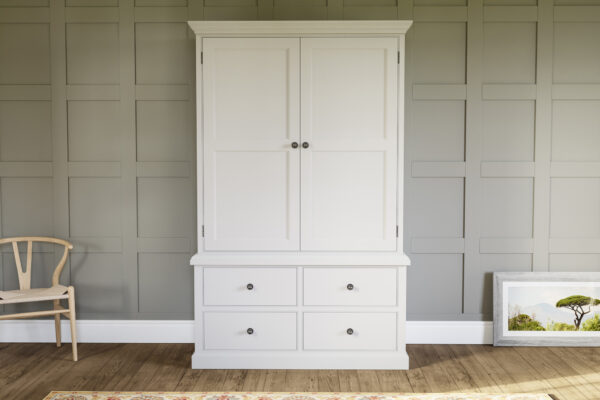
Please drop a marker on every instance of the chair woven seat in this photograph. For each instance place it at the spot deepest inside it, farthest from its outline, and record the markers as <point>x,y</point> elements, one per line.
<point>30,295</point>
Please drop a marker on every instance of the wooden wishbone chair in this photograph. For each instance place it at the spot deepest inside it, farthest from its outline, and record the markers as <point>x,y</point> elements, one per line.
<point>55,293</point>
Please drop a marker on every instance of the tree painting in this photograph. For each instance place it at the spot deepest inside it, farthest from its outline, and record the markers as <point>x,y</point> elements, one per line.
<point>576,304</point>
<point>523,322</point>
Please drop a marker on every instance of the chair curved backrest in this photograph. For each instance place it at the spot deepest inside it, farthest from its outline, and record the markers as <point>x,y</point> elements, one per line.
<point>25,276</point>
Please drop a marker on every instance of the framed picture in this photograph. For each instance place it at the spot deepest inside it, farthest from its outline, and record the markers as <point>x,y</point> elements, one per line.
<point>547,309</point>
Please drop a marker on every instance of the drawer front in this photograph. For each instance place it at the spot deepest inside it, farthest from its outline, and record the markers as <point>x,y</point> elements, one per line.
<point>269,331</point>
<point>249,286</point>
<point>369,286</point>
<point>330,331</point>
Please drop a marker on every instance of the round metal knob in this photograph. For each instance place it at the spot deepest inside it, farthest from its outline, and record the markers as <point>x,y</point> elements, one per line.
<point>294,145</point>
<point>350,286</point>
<point>350,331</point>
<point>249,331</point>
<point>249,286</point>
<point>305,145</point>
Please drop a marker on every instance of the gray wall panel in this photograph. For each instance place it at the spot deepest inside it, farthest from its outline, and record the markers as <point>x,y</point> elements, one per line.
<point>92,53</point>
<point>575,208</point>
<point>102,195</point>
<point>163,207</point>
<point>502,138</point>
<point>507,208</point>
<point>508,130</point>
<point>437,205</point>
<point>509,52</point>
<point>99,283</point>
<point>157,275</point>
<point>162,53</point>
<point>163,130</point>
<point>575,130</point>
<point>23,124</point>
<point>94,133</point>
<point>26,206</point>
<point>446,130</point>
<point>577,52</point>
<point>25,54</point>
<point>439,50</point>
<point>441,275</point>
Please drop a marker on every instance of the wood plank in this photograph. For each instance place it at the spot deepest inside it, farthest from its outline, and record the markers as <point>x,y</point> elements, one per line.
<point>484,355</point>
<point>171,370</point>
<point>211,380</point>
<point>526,378</point>
<point>433,370</point>
<point>126,365</point>
<point>11,354</point>
<point>234,381</point>
<point>349,381</point>
<point>301,381</point>
<point>30,371</point>
<point>368,381</point>
<point>455,370</point>
<point>328,381</point>
<point>545,366</point>
<point>186,384</point>
<point>578,367</point>
<point>16,374</point>
<point>394,381</point>
<point>415,373</point>
<point>148,369</point>
<point>80,375</point>
<point>275,380</point>
<point>255,380</point>
<point>477,373</point>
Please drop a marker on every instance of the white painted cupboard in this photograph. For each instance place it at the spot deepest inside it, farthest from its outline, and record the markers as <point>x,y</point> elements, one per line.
<point>300,143</point>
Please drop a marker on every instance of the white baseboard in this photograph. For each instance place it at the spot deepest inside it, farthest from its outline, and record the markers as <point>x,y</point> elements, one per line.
<point>138,331</point>
<point>99,331</point>
<point>450,332</point>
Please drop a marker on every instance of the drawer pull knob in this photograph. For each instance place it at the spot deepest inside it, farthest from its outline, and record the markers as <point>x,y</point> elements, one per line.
<point>350,331</point>
<point>249,331</point>
<point>249,286</point>
<point>350,286</point>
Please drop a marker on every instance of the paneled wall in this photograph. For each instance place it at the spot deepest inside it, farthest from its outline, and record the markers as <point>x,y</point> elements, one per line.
<point>97,145</point>
<point>502,142</point>
<point>502,148</point>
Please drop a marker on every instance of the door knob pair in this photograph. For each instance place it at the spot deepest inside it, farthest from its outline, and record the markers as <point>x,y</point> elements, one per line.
<point>305,145</point>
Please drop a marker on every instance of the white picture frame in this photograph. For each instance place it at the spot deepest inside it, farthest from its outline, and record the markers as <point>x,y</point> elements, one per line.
<point>527,311</point>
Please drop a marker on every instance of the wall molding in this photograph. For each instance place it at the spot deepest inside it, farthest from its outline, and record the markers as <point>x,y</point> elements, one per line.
<point>165,331</point>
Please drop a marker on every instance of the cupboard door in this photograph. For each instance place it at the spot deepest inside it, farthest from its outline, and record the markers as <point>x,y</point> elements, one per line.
<point>251,119</point>
<point>349,123</point>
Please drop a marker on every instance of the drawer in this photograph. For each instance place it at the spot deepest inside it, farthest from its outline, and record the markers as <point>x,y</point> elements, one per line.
<point>330,331</point>
<point>249,286</point>
<point>368,286</point>
<point>231,331</point>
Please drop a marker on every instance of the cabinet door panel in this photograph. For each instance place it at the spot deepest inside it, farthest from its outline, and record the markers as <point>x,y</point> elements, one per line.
<point>349,120</point>
<point>251,117</point>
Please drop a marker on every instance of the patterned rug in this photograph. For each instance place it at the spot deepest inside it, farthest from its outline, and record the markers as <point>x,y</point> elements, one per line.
<point>286,396</point>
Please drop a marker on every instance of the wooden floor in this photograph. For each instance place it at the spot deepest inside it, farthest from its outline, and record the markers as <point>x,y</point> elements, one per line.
<point>30,371</point>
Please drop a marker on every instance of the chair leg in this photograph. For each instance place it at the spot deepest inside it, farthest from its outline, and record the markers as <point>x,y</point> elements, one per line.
<point>71,292</point>
<point>57,323</point>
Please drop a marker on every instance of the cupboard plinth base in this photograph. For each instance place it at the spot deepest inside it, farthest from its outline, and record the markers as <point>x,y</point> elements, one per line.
<point>299,360</point>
